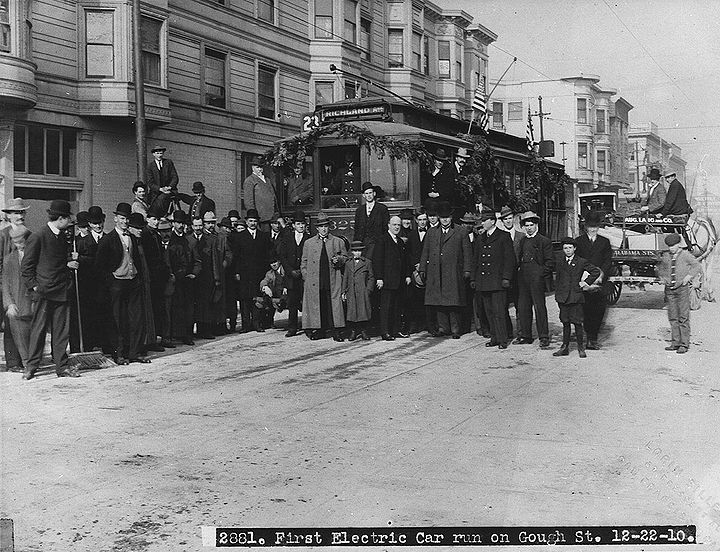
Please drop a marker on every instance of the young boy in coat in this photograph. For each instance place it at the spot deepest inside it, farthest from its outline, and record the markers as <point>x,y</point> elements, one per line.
<point>274,292</point>
<point>357,284</point>
<point>574,275</point>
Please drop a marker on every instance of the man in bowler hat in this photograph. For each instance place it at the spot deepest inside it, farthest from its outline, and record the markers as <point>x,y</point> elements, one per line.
<point>119,265</point>
<point>290,252</point>
<point>47,273</point>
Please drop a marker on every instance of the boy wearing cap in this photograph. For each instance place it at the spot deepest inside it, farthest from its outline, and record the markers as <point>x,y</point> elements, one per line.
<point>357,285</point>
<point>47,273</point>
<point>574,275</point>
<point>161,172</point>
<point>15,214</point>
<point>677,269</point>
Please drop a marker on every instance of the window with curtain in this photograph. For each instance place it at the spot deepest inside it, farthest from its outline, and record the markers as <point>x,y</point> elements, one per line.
<point>443,59</point>
<point>600,121</point>
<point>417,51</point>
<point>582,156</point>
<point>324,92</point>
<point>150,30</point>
<point>602,162</point>
<point>323,19</point>
<point>365,39</point>
<point>515,111</point>
<point>350,29</point>
<point>267,101</point>
<point>582,111</point>
<point>497,114</point>
<point>395,48</point>
<point>99,43</point>
<point>215,78</point>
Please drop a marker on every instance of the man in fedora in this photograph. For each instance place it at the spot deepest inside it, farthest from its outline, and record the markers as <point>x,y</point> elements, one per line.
<point>439,182</point>
<point>371,219</point>
<point>494,265</point>
<point>47,273</point>
<point>259,191</point>
<point>445,265</point>
<point>655,200</point>
<point>200,204</point>
<point>535,267</point>
<point>597,251</point>
<point>15,215</point>
<point>251,264</point>
<point>119,265</point>
<point>290,252</point>
<point>161,172</point>
<point>323,260</point>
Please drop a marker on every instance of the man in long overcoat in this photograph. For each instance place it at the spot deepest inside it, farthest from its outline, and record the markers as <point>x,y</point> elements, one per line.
<point>252,262</point>
<point>204,246</point>
<point>290,253</point>
<point>323,259</point>
<point>231,238</point>
<point>445,264</point>
<point>259,192</point>
<point>493,271</point>
<point>184,267</point>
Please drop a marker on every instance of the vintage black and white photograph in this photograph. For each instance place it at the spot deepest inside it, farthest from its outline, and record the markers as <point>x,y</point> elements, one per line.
<point>350,273</point>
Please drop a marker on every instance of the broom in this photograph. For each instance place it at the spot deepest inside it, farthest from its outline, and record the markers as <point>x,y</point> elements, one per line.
<point>85,360</point>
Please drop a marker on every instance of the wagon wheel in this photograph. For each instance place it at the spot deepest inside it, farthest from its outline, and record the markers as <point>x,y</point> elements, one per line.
<point>612,293</point>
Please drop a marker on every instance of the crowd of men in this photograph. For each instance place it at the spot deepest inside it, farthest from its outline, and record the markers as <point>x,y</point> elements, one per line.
<point>159,276</point>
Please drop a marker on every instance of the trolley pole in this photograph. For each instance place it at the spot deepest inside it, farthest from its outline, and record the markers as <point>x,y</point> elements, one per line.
<point>141,152</point>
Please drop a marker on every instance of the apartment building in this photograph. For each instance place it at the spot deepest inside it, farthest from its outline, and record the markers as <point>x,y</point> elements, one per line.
<point>588,127</point>
<point>223,80</point>
<point>648,150</point>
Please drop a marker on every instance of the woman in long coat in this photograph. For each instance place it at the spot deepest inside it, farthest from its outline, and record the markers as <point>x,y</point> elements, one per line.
<point>312,271</point>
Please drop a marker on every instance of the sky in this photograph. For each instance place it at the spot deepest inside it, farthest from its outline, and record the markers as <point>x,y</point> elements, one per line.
<point>662,56</point>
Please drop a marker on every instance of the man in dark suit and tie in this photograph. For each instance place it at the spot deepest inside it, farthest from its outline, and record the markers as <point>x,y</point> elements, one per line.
<point>371,219</point>
<point>290,251</point>
<point>417,311</point>
<point>47,273</point>
<point>597,250</point>
<point>161,172</point>
<point>118,263</point>
<point>252,263</point>
<point>392,273</point>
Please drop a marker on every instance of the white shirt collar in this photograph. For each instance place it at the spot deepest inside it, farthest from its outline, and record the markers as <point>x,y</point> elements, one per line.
<point>54,230</point>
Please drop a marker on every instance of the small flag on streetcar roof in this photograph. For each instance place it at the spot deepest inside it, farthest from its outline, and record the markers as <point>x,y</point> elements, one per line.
<point>529,137</point>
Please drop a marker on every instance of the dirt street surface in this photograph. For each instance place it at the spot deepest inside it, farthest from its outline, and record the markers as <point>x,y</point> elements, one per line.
<point>257,430</point>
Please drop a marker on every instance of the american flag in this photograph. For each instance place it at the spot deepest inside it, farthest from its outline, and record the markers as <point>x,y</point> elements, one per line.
<point>529,133</point>
<point>479,104</point>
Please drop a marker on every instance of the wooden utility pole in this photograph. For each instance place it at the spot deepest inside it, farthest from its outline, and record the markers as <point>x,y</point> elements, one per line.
<point>542,116</point>
<point>141,151</point>
<point>563,144</point>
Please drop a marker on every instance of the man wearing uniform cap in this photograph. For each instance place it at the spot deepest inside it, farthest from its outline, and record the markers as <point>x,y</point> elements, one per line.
<point>290,250</point>
<point>506,223</point>
<point>15,214</point>
<point>535,267</point>
<point>438,184</point>
<point>119,265</point>
<point>161,172</point>
<point>494,265</point>
<point>47,273</point>
<point>677,270</point>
